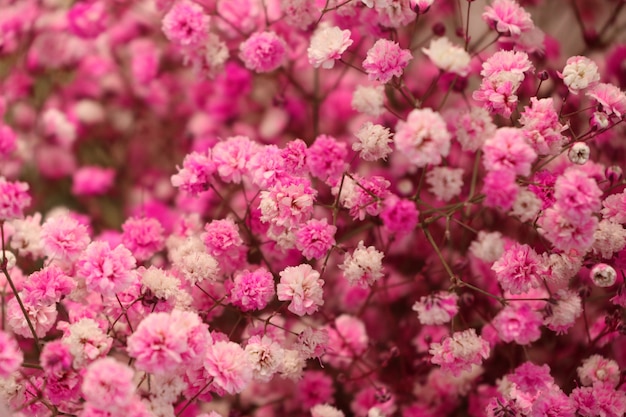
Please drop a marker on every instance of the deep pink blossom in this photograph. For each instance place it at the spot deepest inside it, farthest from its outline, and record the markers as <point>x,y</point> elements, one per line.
<point>386,60</point>
<point>143,236</point>
<point>252,290</point>
<point>263,52</point>
<point>14,198</point>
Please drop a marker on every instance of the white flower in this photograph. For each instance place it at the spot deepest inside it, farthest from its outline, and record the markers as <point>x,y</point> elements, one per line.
<point>326,410</point>
<point>369,100</point>
<point>445,183</point>
<point>364,266</point>
<point>448,57</point>
<point>373,142</point>
<point>579,73</point>
<point>488,246</point>
<point>526,206</point>
<point>327,45</point>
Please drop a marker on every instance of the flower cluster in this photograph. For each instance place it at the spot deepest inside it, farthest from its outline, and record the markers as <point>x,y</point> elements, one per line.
<point>368,208</point>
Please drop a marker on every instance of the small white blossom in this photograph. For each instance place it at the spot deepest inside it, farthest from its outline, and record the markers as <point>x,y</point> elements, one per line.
<point>448,57</point>
<point>364,266</point>
<point>445,183</point>
<point>369,100</point>
<point>327,45</point>
<point>373,142</point>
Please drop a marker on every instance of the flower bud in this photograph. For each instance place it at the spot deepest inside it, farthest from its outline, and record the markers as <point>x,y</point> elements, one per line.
<point>8,257</point>
<point>579,153</point>
<point>603,275</point>
<point>613,174</point>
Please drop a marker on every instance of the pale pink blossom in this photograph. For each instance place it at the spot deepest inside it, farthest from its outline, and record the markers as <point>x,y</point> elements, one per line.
<point>228,365</point>
<point>11,356</point>
<point>303,287</point>
<point>460,352</point>
<point>108,385</point>
<point>327,45</point>
<point>364,266</point>
<point>107,271</point>
<point>423,138</point>
<point>508,18</point>
<point>438,308</point>
<point>169,342</point>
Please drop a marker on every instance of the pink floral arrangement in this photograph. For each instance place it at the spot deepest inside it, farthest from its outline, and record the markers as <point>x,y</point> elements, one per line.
<point>312,208</point>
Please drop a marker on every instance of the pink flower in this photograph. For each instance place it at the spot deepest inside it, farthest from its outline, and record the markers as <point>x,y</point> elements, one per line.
<point>14,199</point>
<point>165,343</point>
<point>315,238</point>
<point>314,388</point>
<point>107,271</point>
<point>263,52</point>
<point>42,316</point>
<point>92,180</point>
<point>386,60</point>
<point>614,208</point>
<point>473,127</point>
<point>347,340</point>
<point>610,97</point>
<point>64,237</point>
<point>186,24</point>
<point>143,236</point>
<point>598,369</point>
<point>437,308</point>
<point>554,403</point>
<point>508,18</point>
<point>326,158</point>
<point>56,359</point>
<point>423,138</point>
<point>8,140</point>
<point>519,269</point>
<point>108,385</point>
<point>599,400</point>
<point>231,158</point>
<point>288,203</point>
<point>252,290</point>
<point>11,356</point>
<point>195,175</point>
<point>500,189</point>
<point>541,126</point>
<point>577,195</point>
<point>88,19</point>
<point>521,325</point>
<point>565,232</point>
<point>399,215</point>
<point>460,351</point>
<point>303,287</point>
<point>224,243</point>
<point>327,45</point>
<point>227,363</point>
<point>47,286</point>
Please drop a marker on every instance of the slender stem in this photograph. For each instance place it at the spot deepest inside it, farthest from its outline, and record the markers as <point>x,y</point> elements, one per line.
<point>15,292</point>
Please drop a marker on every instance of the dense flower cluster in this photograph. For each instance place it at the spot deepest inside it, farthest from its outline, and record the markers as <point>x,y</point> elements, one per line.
<point>312,208</point>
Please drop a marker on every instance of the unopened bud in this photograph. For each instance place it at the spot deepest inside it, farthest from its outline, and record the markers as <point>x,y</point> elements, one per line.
<point>543,75</point>
<point>603,275</point>
<point>579,153</point>
<point>439,29</point>
<point>7,259</point>
<point>614,174</point>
